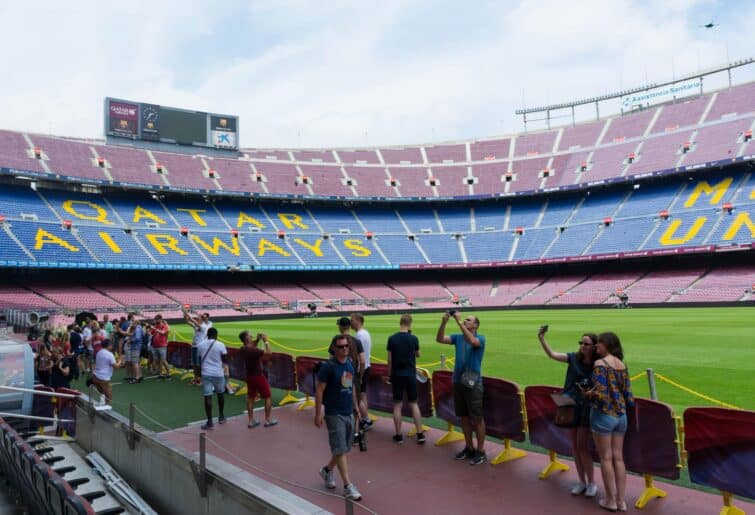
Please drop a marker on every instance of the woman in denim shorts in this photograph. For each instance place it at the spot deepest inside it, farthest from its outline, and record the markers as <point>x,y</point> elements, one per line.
<point>610,398</point>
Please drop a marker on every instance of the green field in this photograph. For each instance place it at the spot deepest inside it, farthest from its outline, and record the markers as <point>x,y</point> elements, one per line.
<point>708,350</point>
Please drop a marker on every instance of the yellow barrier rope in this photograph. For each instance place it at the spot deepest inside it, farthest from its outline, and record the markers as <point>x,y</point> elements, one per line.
<point>633,378</point>
<point>277,344</point>
<point>693,392</point>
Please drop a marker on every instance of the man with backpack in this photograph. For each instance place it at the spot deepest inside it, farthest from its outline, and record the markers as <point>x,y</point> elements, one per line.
<point>334,390</point>
<point>213,361</point>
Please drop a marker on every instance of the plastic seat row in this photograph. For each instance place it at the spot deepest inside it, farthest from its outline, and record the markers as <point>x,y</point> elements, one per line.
<point>34,473</point>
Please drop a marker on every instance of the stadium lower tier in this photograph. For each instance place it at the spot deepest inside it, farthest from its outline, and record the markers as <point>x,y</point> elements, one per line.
<point>61,229</point>
<point>239,295</point>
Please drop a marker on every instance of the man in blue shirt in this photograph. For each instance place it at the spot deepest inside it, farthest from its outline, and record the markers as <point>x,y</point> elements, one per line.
<point>335,383</point>
<point>470,347</point>
<point>133,352</point>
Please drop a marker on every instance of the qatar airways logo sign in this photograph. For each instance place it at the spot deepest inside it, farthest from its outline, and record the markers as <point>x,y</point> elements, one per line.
<point>123,110</point>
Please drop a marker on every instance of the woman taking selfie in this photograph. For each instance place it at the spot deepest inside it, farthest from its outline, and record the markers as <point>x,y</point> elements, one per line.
<point>610,397</point>
<point>579,370</point>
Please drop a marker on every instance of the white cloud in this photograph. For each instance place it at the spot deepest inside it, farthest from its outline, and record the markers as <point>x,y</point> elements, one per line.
<point>328,77</point>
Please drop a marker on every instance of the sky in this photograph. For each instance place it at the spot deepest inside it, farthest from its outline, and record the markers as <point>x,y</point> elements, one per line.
<point>351,74</point>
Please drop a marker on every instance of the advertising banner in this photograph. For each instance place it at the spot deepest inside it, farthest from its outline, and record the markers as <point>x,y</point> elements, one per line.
<point>649,97</point>
<point>281,372</point>
<point>223,131</point>
<point>179,354</point>
<point>503,410</point>
<point>305,374</point>
<point>123,119</point>
<point>443,394</point>
<point>150,116</point>
<point>720,446</point>
<point>650,442</point>
<point>541,412</point>
<point>380,394</point>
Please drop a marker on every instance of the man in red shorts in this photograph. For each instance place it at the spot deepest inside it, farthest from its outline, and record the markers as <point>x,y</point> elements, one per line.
<point>256,382</point>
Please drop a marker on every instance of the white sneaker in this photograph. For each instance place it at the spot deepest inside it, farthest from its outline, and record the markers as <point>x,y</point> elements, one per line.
<point>350,492</point>
<point>327,476</point>
<point>591,490</point>
<point>578,489</point>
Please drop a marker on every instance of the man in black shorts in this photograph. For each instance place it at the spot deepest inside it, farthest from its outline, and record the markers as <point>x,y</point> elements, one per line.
<point>467,380</point>
<point>403,349</point>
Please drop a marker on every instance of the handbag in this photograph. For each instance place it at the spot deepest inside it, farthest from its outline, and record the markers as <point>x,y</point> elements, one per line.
<point>566,410</point>
<point>469,378</point>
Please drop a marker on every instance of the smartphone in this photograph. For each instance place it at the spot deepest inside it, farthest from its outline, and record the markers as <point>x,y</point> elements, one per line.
<point>543,329</point>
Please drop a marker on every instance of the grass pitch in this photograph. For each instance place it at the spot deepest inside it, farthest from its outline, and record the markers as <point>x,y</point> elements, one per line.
<point>710,351</point>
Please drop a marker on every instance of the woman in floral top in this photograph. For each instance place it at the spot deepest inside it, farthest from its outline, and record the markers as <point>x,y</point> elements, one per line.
<point>610,397</point>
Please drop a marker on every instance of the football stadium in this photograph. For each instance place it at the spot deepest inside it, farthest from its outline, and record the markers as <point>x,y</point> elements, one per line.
<point>638,221</point>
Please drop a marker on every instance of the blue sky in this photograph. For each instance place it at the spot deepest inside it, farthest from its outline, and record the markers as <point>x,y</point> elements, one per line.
<point>344,74</point>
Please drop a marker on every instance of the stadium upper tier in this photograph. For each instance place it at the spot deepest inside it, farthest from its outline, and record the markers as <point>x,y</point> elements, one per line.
<point>702,130</point>
<point>56,228</point>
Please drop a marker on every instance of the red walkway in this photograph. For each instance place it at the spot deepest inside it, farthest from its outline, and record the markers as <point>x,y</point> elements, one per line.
<point>416,479</point>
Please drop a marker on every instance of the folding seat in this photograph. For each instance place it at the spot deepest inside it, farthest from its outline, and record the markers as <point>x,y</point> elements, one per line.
<point>57,491</point>
<point>41,475</point>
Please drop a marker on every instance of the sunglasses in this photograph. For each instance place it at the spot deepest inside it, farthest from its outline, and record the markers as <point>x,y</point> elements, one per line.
<point>341,346</point>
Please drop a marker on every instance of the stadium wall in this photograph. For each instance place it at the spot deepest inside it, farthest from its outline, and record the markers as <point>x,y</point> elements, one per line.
<point>151,461</point>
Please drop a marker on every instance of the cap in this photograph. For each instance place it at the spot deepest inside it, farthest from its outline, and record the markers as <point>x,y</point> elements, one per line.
<point>343,322</point>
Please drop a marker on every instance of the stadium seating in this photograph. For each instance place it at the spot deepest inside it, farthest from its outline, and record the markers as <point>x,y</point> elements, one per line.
<point>654,135</point>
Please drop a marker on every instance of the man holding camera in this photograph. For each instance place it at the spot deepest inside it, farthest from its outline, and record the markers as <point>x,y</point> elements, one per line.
<point>256,382</point>
<point>334,390</point>
<point>160,346</point>
<point>467,381</point>
<point>201,324</point>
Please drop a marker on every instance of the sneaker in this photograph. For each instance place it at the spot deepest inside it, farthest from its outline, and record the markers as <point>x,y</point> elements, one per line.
<point>399,439</point>
<point>591,490</point>
<point>350,492</point>
<point>221,420</point>
<point>420,438</point>
<point>465,454</point>
<point>479,458</point>
<point>253,424</point>
<point>366,424</point>
<point>207,425</point>
<point>327,476</point>
<point>579,489</point>
<point>272,422</point>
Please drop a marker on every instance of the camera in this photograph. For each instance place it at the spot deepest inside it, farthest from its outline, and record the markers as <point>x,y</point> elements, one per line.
<point>361,438</point>
<point>451,312</point>
<point>585,383</point>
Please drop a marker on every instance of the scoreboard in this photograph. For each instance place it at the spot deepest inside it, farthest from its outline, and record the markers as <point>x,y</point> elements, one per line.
<point>151,122</point>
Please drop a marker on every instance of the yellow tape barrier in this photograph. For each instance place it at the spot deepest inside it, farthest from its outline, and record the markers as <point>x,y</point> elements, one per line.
<point>693,392</point>
<point>661,377</point>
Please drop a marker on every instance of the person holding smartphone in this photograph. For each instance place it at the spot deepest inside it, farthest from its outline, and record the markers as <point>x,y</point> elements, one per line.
<point>611,397</point>
<point>578,372</point>
<point>468,395</point>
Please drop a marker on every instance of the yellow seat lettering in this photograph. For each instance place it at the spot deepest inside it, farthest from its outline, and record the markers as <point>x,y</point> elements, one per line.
<point>195,215</point>
<point>45,238</point>
<point>357,248</point>
<point>266,245</point>
<point>244,219</point>
<point>741,219</point>
<point>668,236</point>
<point>292,220</point>
<point>716,191</point>
<point>161,242</point>
<point>69,206</point>
<point>108,240</point>
<point>217,244</point>
<point>140,212</point>
<point>315,249</point>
